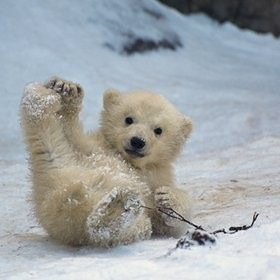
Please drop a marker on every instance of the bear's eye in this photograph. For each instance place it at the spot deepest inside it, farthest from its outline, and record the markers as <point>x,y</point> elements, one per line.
<point>128,120</point>
<point>158,131</point>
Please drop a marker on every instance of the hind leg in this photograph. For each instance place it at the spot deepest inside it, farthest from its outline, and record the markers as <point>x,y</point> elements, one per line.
<point>118,218</point>
<point>90,211</point>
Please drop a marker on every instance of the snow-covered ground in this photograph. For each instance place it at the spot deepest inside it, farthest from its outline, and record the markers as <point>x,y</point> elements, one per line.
<point>226,79</point>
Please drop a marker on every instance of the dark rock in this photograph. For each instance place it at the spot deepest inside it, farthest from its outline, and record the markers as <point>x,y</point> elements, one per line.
<point>140,45</point>
<point>259,15</point>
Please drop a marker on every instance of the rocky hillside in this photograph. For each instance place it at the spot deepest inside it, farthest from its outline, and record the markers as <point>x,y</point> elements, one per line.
<point>259,15</point>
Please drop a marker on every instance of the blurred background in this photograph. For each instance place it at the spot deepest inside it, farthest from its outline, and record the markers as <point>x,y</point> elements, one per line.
<point>220,75</point>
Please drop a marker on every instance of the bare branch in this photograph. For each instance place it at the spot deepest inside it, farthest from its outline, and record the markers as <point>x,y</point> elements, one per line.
<point>174,214</point>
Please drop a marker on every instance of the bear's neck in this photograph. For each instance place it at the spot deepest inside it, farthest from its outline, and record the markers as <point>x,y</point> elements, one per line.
<point>157,175</point>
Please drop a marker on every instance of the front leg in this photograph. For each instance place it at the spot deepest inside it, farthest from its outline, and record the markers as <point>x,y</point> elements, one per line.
<point>176,199</point>
<point>42,129</point>
<point>71,103</point>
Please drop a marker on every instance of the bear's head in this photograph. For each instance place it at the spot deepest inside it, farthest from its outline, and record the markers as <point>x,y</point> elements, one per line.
<point>143,127</point>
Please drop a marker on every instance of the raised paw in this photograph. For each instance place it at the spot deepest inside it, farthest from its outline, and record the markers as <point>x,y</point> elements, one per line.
<point>39,103</point>
<point>71,94</point>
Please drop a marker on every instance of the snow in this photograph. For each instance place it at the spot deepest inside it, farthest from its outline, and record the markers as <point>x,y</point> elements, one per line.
<point>225,79</point>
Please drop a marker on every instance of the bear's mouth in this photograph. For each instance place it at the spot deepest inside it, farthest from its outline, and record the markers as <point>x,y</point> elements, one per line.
<point>134,153</point>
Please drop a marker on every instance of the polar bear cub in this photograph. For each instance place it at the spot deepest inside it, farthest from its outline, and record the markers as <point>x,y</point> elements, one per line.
<point>93,188</point>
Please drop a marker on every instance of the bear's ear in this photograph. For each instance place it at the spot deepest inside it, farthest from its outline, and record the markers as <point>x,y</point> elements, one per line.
<point>111,97</point>
<point>187,126</point>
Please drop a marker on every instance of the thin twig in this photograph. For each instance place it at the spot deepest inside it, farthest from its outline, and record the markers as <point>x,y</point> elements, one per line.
<point>176,215</point>
<point>235,229</point>
<point>245,227</point>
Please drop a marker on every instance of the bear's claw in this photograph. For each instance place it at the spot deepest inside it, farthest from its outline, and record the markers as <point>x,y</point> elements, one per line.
<point>71,94</point>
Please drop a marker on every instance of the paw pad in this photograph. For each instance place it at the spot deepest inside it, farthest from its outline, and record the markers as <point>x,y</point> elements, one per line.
<point>71,94</point>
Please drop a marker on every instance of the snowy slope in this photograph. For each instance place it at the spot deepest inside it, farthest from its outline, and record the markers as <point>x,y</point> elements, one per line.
<point>227,80</point>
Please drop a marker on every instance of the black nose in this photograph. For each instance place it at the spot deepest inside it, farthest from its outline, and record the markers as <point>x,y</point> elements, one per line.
<point>137,143</point>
